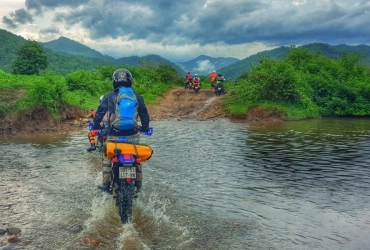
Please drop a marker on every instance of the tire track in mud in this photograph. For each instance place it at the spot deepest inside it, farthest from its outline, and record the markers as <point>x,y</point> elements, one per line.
<point>207,103</point>
<point>179,104</point>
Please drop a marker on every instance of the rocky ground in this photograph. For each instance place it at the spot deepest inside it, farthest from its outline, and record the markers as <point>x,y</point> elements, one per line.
<point>176,104</point>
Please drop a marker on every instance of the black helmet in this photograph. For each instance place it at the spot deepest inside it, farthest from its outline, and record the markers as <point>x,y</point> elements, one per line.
<point>219,74</point>
<point>122,77</point>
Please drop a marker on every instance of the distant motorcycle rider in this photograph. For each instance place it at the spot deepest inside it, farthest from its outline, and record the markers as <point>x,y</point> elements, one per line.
<point>188,80</point>
<point>196,80</point>
<point>212,76</point>
<point>93,133</point>
<point>220,81</point>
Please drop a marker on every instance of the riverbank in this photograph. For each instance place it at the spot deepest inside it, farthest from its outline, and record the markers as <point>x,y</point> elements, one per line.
<point>176,104</point>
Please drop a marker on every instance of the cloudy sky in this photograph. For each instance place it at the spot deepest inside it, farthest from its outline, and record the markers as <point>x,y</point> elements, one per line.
<point>180,30</point>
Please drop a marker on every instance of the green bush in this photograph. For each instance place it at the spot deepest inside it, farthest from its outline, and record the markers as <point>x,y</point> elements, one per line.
<point>307,84</point>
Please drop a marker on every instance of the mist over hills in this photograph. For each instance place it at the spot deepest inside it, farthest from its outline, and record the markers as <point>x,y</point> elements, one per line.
<point>203,65</point>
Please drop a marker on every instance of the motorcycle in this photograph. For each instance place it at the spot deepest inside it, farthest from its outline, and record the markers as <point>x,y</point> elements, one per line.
<point>196,87</point>
<point>188,83</point>
<point>100,135</point>
<point>219,90</point>
<point>124,157</point>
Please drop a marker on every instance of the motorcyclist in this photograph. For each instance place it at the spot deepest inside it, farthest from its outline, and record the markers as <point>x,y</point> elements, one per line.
<point>220,81</point>
<point>212,77</point>
<point>94,132</point>
<point>188,80</point>
<point>196,80</point>
<point>92,113</point>
<point>121,78</point>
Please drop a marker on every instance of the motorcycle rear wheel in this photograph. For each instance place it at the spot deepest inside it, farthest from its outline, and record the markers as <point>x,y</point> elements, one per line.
<point>125,195</point>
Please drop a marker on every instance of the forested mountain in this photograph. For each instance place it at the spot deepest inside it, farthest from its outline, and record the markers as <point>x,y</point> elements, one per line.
<point>69,46</point>
<point>66,45</point>
<point>67,55</point>
<point>233,71</point>
<point>136,60</point>
<point>9,45</point>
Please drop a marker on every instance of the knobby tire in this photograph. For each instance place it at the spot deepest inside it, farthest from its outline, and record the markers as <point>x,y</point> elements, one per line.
<point>125,195</point>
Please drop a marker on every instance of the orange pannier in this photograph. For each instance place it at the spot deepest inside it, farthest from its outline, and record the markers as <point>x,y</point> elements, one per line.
<point>142,151</point>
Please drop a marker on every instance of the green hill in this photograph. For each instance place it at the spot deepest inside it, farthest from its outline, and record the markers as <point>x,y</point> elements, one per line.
<point>65,55</point>
<point>66,45</point>
<point>9,45</point>
<point>235,70</point>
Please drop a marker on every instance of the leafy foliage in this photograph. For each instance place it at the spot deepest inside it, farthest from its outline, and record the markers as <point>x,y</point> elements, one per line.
<point>31,59</point>
<point>310,83</point>
<point>80,88</point>
<point>65,56</point>
<point>244,66</point>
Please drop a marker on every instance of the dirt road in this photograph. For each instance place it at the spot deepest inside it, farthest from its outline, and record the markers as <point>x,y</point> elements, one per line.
<point>182,104</point>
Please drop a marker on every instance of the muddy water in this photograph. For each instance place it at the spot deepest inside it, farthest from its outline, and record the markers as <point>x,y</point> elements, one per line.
<point>209,185</point>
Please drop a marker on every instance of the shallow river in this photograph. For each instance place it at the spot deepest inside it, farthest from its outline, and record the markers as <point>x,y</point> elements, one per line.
<point>209,185</point>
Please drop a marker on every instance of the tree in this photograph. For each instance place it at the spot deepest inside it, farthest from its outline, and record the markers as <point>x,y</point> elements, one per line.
<point>31,59</point>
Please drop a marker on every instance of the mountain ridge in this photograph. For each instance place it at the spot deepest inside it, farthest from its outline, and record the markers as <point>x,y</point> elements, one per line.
<point>66,55</point>
<point>243,66</point>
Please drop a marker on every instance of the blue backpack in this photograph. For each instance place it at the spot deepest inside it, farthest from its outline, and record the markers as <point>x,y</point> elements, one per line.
<point>126,110</point>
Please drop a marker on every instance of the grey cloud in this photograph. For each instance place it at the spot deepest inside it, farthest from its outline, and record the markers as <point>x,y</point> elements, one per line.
<point>38,5</point>
<point>21,16</point>
<point>17,17</point>
<point>9,22</point>
<point>169,22</point>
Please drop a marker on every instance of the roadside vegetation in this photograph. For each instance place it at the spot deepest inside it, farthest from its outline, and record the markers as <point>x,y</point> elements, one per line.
<point>81,89</point>
<point>304,85</point>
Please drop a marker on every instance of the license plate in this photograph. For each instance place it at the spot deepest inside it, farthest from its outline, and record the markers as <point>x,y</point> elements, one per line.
<point>125,173</point>
<point>219,88</point>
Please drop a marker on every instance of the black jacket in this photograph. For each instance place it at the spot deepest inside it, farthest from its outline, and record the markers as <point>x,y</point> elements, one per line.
<point>108,105</point>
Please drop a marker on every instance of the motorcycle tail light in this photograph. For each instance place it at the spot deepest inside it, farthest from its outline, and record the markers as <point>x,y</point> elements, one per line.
<point>126,159</point>
<point>128,180</point>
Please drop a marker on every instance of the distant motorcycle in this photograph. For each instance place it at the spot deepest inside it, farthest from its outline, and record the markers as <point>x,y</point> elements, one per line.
<point>219,90</point>
<point>196,87</point>
<point>188,83</point>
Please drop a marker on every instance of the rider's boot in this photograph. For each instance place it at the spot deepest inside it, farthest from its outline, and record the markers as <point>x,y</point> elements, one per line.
<point>91,148</point>
<point>138,180</point>
<point>138,185</point>
<point>137,188</point>
<point>105,187</point>
<point>106,179</point>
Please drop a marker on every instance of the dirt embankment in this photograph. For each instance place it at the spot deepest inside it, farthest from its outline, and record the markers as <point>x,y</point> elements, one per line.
<point>176,104</point>
<point>181,104</point>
